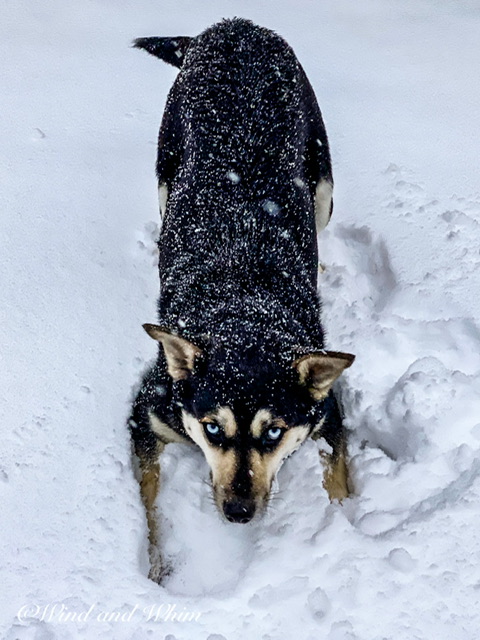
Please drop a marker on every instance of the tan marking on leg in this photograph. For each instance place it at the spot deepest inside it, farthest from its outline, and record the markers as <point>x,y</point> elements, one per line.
<point>335,477</point>
<point>323,202</point>
<point>162,199</point>
<point>149,488</point>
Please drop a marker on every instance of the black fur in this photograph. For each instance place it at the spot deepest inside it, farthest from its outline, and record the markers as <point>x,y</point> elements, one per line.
<point>242,147</point>
<point>171,50</point>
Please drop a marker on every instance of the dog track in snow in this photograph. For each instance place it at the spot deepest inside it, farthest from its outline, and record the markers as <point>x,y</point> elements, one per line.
<point>147,241</point>
<point>373,523</point>
<point>371,264</point>
<point>443,233</point>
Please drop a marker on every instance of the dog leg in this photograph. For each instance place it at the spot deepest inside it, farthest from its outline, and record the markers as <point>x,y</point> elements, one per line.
<point>162,199</point>
<point>147,448</point>
<point>149,488</point>
<point>323,204</point>
<point>335,479</point>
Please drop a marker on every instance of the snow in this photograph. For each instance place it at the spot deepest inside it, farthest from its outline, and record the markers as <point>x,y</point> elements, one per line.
<point>396,84</point>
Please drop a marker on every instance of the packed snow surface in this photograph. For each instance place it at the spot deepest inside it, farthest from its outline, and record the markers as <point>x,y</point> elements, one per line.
<point>400,280</point>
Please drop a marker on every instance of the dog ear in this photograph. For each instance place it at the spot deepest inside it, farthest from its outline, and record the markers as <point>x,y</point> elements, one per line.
<point>180,353</point>
<point>171,50</point>
<point>318,371</point>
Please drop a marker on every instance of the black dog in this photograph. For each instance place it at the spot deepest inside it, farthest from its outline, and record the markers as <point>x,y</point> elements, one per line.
<point>245,183</point>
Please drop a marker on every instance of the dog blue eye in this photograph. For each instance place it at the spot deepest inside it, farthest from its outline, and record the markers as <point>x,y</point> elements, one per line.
<point>212,428</point>
<point>213,431</point>
<point>274,433</point>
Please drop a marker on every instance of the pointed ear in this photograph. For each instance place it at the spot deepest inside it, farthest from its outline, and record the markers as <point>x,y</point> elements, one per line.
<point>318,371</point>
<point>171,50</point>
<point>180,353</point>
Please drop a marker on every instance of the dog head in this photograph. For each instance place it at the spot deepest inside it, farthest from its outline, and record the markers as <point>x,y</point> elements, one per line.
<point>248,408</point>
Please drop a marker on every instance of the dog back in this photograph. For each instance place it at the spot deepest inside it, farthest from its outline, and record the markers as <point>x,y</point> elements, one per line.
<point>242,149</point>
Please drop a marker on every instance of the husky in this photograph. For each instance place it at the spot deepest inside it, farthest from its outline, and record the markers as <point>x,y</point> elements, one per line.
<point>245,184</point>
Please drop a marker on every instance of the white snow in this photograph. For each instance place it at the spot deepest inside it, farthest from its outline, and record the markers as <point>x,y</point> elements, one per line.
<point>397,84</point>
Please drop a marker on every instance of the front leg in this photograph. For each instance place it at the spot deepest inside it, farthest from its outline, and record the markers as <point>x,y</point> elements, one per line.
<point>150,434</point>
<point>147,448</point>
<point>149,488</point>
<point>335,479</point>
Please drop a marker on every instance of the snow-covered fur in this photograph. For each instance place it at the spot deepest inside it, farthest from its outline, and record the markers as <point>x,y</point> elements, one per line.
<point>241,369</point>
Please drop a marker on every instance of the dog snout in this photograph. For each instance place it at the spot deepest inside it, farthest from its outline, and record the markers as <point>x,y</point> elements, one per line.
<point>238,510</point>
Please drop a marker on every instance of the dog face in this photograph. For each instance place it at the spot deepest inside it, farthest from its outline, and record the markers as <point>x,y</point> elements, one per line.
<point>246,411</point>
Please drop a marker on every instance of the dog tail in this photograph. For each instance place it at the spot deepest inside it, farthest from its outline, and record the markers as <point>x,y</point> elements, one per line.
<point>171,50</point>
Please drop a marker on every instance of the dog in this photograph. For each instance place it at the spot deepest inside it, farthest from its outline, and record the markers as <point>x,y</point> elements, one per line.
<point>245,184</point>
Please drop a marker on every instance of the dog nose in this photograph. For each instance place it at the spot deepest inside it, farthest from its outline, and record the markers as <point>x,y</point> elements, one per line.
<point>241,511</point>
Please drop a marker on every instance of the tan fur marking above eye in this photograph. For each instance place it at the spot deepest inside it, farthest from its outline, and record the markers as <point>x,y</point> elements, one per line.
<point>261,419</point>
<point>224,417</point>
<point>264,419</point>
<point>265,466</point>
